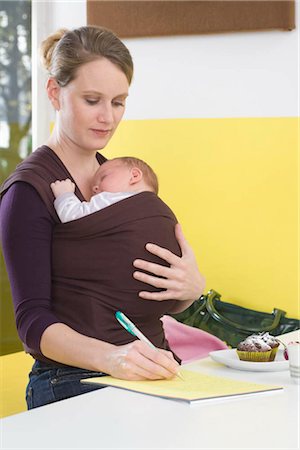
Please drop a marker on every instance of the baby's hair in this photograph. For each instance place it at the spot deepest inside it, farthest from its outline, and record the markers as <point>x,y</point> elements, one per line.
<point>148,173</point>
<point>64,51</point>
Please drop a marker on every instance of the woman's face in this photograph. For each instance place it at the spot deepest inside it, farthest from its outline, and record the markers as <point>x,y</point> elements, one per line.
<point>91,106</point>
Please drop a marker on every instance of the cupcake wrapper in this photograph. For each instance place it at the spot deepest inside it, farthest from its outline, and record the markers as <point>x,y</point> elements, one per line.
<point>273,353</point>
<point>255,356</point>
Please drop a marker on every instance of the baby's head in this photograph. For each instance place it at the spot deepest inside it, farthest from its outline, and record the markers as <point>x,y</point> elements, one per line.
<point>124,174</point>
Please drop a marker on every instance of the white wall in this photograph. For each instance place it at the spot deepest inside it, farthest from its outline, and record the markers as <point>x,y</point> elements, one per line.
<point>229,75</point>
<point>226,75</point>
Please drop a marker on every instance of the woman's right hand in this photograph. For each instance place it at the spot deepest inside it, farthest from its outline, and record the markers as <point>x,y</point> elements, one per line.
<point>138,361</point>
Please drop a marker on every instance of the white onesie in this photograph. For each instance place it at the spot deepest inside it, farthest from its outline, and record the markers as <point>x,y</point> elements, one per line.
<point>69,207</point>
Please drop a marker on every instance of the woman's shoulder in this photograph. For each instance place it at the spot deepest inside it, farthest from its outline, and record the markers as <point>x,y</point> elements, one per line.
<point>21,197</point>
<point>39,170</point>
<point>38,164</point>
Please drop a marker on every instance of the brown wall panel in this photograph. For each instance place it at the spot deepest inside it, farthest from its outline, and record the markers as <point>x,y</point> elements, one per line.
<point>163,18</point>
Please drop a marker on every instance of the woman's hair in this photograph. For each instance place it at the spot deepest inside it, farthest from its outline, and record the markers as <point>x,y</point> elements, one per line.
<point>148,173</point>
<point>65,51</point>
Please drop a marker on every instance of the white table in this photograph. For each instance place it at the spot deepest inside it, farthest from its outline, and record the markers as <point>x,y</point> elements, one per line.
<point>115,419</point>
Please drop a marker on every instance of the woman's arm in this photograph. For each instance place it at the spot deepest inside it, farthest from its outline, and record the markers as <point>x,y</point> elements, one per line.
<point>26,232</point>
<point>180,281</point>
<point>134,361</point>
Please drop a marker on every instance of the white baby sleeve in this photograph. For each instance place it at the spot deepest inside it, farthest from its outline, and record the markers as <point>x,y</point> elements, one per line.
<point>69,207</point>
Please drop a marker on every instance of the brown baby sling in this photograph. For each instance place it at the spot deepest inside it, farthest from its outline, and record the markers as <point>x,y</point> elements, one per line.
<point>92,257</point>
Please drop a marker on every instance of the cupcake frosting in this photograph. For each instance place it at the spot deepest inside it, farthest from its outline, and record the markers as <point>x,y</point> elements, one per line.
<point>270,340</point>
<point>254,343</point>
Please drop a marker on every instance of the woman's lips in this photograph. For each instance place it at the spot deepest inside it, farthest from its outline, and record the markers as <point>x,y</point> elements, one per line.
<point>101,133</point>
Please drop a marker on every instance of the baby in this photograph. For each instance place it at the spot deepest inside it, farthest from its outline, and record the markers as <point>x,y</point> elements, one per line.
<point>115,180</point>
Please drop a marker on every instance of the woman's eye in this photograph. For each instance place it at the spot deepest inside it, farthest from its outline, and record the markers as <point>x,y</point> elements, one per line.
<point>118,103</point>
<point>91,101</point>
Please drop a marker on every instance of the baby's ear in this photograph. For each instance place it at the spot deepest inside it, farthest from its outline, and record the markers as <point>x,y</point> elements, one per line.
<point>95,189</point>
<point>136,175</point>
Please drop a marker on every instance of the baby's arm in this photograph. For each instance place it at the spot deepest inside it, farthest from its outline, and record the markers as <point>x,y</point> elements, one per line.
<point>67,205</point>
<point>61,187</point>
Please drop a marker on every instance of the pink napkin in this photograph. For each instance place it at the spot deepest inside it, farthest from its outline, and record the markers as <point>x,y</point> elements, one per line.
<point>190,343</point>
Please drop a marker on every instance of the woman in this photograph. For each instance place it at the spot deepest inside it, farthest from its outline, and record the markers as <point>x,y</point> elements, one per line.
<point>90,71</point>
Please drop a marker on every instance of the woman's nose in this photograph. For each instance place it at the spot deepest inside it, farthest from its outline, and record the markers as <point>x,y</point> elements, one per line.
<point>105,113</point>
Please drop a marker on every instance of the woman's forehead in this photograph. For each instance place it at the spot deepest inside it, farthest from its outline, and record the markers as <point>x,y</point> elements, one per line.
<point>101,76</point>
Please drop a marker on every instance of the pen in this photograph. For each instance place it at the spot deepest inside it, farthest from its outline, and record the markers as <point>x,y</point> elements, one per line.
<point>132,329</point>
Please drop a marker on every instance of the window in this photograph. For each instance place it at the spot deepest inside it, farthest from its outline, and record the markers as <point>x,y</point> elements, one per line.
<point>15,125</point>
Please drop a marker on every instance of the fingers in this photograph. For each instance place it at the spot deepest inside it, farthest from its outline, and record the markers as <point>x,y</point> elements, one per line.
<point>136,372</point>
<point>67,181</point>
<point>169,279</point>
<point>166,255</point>
<point>61,186</point>
<point>157,282</point>
<point>138,361</point>
<point>162,253</point>
<point>180,280</point>
<point>152,364</point>
<point>158,296</point>
<point>156,269</point>
<point>170,287</point>
<point>183,244</point>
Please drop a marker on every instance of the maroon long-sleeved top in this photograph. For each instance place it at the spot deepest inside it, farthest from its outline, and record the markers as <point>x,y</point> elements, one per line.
<point>26,233</point>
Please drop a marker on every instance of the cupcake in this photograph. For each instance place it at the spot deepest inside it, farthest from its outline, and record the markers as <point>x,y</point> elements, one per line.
<point>255,349</point>
<point>272,342</point>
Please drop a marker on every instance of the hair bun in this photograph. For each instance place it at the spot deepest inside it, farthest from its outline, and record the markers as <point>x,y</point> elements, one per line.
<point>48,46</point>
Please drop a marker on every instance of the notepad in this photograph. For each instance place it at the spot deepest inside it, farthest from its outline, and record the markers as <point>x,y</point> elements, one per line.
<point>195,386</point>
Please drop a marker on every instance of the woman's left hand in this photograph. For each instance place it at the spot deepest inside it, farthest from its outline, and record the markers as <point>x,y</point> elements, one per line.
<point>181,281</point>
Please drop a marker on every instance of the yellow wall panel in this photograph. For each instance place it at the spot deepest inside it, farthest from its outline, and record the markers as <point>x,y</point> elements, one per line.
<point>233,186</point>
<point>14,370</point>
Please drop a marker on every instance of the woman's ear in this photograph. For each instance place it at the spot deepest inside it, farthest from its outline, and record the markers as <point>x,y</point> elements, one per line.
<point>136,175</point>
<point>53,91</point>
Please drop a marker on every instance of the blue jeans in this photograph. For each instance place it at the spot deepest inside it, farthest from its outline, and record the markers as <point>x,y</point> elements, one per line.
<point>48,384</point>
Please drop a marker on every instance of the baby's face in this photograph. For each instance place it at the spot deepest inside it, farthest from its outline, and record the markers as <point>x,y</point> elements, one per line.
<point>112,176</point>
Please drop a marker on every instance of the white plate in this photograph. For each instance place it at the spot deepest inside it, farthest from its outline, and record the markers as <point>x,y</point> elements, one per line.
<point>231,359</point>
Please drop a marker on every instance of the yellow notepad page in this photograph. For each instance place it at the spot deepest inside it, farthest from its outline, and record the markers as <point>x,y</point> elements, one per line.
<point>194,386</point>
